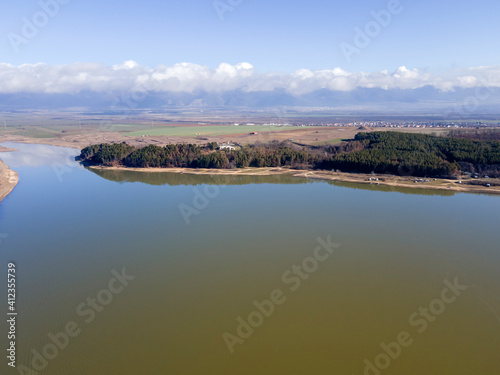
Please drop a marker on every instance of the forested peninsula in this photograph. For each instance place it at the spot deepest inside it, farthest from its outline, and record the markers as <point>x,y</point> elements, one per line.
<point>396,153</point>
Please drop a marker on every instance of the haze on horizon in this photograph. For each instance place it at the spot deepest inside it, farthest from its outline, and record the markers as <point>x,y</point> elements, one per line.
<point>422,51</point>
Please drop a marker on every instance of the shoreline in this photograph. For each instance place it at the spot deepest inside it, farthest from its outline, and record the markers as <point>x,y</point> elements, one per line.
<point>8,180</point>
<point>383,180</point>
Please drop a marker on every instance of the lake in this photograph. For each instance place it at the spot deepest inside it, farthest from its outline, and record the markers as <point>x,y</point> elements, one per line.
<point>121,272</point>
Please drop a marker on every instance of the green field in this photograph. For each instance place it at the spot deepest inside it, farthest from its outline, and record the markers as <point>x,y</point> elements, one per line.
<point>194,131</point>
<point>36,132</point>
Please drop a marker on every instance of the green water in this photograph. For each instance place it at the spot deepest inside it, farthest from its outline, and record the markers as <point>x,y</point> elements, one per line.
<point>202,252</point>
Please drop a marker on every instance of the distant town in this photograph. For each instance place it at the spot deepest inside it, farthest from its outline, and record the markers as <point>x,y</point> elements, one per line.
<point>390,124</point>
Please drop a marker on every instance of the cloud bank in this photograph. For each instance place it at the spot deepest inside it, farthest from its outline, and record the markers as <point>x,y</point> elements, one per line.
<point>187,77</point>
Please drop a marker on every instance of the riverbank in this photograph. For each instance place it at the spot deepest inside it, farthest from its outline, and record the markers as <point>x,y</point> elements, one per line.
<point>6,149</point>
<point>374,179</point>
<point>8,180</point>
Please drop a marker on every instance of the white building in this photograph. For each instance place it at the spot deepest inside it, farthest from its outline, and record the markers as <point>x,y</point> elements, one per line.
<point>227,146</point>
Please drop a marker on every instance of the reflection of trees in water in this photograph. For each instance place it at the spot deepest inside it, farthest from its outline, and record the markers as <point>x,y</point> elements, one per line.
<point>175,179</point>
<point>160,178</point>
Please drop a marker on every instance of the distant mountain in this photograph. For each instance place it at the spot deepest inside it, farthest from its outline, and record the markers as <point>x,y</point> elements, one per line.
<point>427,99</point>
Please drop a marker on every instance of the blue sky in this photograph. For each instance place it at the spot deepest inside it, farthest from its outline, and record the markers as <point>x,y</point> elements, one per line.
<point>281,36</point>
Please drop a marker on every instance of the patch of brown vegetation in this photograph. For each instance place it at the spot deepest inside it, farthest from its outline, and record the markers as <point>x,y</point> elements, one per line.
<point>306,136</point>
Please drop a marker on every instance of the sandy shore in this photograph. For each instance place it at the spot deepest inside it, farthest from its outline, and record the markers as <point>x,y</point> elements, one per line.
<point>6,149</point>
<point>8,180</point>
<point>388,180</point>
<point>406,182</point>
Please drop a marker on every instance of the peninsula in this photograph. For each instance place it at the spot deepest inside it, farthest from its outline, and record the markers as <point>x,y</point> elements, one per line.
<point>384,158</point>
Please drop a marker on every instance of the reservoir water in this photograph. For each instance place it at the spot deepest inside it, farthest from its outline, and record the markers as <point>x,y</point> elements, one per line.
<point>122,272</point>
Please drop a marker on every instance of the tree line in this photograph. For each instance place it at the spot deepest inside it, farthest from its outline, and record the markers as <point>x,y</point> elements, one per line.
<point>194,156</point>
<point>476,134</point>
<point>379,152</point>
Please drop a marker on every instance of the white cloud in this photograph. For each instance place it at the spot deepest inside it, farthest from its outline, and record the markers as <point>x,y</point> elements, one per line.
<point>187,77</point>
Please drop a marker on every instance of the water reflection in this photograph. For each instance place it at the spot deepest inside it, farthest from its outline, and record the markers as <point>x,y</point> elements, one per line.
<point>32,155</point>
<point>194,281</point>
<point>175,179</point>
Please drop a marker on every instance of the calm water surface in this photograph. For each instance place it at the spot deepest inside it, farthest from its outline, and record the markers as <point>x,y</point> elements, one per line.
<point>202,252</point>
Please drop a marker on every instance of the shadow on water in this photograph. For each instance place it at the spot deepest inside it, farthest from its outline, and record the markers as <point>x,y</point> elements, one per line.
<point>176,179</point>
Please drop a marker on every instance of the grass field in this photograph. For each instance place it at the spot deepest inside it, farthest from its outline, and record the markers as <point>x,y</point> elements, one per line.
<point>194,131</point>
<point>36,132</point>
